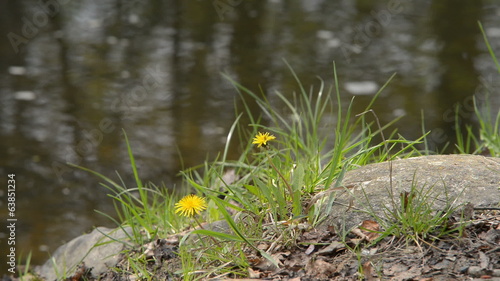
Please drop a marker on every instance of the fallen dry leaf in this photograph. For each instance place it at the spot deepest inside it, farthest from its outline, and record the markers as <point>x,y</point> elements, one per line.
<point>320,269</point>
<point>309,249</point>
<point>254,273</point>
<point>370,229</point>
<point>267,265</point>
<point>369,272</point>
<point>333,247</point>
<point>263,246</point>
<point>484,260</point>
<point>359,233</point>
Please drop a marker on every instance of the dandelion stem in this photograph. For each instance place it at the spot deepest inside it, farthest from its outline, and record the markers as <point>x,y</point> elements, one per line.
<point>281,176</point>
<point>201,227</point>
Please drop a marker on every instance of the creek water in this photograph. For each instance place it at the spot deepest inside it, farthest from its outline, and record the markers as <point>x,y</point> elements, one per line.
<point>75,73</point>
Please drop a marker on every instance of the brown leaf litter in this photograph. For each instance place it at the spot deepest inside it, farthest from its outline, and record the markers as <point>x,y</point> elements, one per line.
<point>325,255</point>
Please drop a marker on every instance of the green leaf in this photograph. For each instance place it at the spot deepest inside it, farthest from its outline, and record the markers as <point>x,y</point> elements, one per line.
<point>220,235</point>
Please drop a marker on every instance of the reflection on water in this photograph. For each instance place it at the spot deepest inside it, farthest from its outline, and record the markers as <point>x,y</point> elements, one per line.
<point>74,74</point>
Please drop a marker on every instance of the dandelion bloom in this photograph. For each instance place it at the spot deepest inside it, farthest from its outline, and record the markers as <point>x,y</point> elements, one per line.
<point>190,205</point>
<point>261,139</point>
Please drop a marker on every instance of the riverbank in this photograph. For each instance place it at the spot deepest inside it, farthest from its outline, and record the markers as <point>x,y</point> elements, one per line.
<point>467,184</point>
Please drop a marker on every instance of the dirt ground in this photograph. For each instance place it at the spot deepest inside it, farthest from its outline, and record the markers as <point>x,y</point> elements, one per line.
<point>473,256</point>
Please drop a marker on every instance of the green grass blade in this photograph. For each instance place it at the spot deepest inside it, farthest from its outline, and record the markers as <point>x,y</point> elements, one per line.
<point>132,161</point>
<point>219,235</point>
<point>490,50</point>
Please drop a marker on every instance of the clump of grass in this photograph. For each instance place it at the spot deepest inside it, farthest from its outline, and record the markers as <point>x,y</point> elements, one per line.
<point>146,208</point>
<point>414,217</point>
<point>268,202</point>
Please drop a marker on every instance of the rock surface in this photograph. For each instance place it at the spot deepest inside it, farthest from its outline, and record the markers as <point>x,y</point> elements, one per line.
<point>66,258</point>
<point>466,178</point>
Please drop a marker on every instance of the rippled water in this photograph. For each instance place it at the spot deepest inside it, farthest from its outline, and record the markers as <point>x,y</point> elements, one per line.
<point>75,73</point>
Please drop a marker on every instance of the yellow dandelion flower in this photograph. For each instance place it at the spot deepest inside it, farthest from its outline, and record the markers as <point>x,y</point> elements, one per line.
<point>261,139</point>
<point>190,205</point>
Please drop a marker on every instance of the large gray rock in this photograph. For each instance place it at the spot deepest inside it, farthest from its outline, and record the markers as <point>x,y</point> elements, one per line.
<point>453,179</point>
<point>66,258</point>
